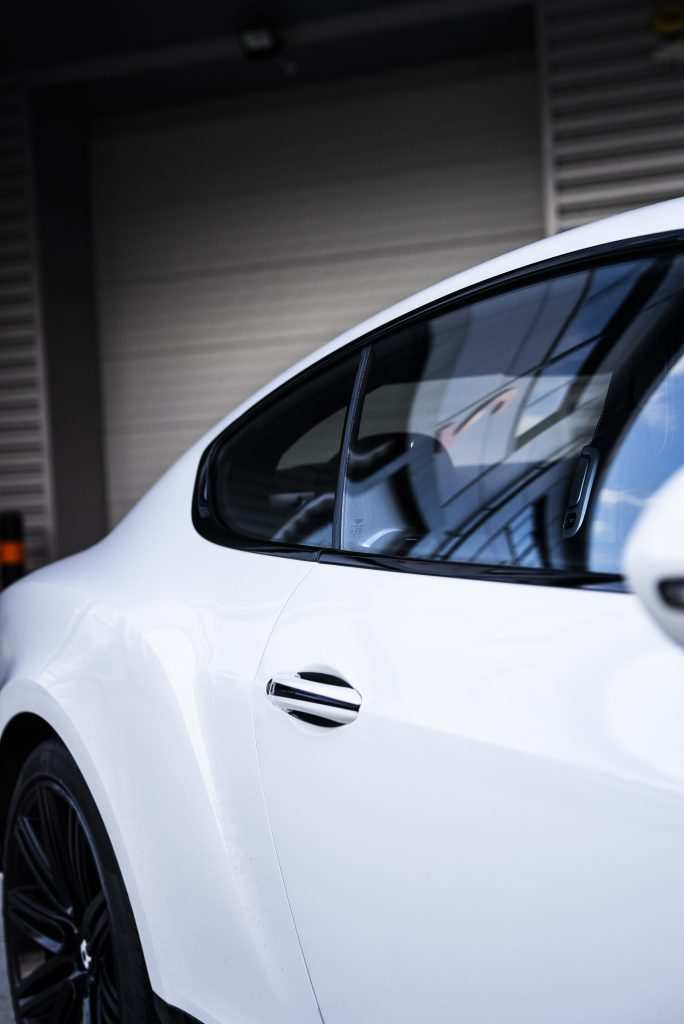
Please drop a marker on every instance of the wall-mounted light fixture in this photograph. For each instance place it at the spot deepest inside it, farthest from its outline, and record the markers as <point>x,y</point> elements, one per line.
<point>259,41</point>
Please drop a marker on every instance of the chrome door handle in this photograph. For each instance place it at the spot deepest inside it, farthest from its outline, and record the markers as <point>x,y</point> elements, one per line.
<point>314,697</point>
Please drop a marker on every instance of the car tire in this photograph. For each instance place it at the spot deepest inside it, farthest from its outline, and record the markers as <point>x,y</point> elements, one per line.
<point>73,951</point>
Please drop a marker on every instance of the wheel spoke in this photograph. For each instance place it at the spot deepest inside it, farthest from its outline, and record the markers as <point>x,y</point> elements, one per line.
<point>96,925</point>
<point>37,863</point>
<point>86,1008</point>
<point>50,827</point>
<point>58,937</point>
<point>107,1000</point>
<point>43,925</point>
<point>48,987</point>
<point>78,858</point>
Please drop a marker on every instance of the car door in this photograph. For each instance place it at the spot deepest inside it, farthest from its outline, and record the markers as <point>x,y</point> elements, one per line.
<point>469,733</point>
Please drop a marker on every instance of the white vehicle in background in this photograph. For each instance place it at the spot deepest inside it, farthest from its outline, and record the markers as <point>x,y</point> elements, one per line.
<point>358,716</point>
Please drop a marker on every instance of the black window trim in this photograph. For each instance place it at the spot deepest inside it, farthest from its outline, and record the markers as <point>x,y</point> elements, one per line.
<point>209,527</point>
<point>348,436</point>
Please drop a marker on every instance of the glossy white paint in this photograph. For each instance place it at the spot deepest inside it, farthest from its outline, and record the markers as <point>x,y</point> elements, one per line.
<point>655,554</point>
<point>498,835</point>
<point>143,668</point>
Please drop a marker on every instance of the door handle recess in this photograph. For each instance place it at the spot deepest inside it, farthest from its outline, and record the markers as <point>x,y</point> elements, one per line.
<point>314,697</point>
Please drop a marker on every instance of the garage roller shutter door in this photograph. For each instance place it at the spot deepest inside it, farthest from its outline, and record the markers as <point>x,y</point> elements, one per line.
<point>23,465</point>
<point>233,239</point>
<point>615,108</point>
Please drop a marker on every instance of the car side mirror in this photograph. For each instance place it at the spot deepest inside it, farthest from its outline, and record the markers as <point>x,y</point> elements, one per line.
<point>654,558</point>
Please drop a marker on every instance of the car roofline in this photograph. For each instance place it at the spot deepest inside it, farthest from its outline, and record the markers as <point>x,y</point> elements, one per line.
<point>665,217</point>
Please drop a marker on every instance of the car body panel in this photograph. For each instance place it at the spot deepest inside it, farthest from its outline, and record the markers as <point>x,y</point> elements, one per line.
<point>499,835</point>
<point>151,696</point>
<point>142,654</point>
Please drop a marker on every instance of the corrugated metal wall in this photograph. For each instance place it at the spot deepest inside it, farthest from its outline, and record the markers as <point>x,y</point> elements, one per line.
<point>24,480</point>
<point>232,239</point>
<point>614,109</point>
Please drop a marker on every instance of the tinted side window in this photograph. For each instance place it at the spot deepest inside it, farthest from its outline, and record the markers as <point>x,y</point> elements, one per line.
<point>484,430</point>
<point>275,477</point>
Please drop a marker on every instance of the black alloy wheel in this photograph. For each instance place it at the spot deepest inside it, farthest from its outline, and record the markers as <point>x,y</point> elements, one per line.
<point>69,931</point>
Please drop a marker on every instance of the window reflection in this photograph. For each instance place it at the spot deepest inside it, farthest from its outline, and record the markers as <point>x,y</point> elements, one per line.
<point>473,423</point>
<point>275,478</point>
<point>650,452</point>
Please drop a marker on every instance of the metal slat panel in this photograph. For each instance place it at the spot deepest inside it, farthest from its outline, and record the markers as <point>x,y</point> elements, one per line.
<point>17,378</point>
<point>614,128</point>
<point>22,468</point>
<point>23,462</point>
<point>649,89</point>
<point>19,441</point>
<point>588,19</point>
<point>587,56</point>
<point>640,140</point>
<point>617,125</point>
<point>648,166</point>
<point>15,351</point>
<point>234,238</point>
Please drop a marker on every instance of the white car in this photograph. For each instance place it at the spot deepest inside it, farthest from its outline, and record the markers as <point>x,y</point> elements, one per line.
<point>357,717</point>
